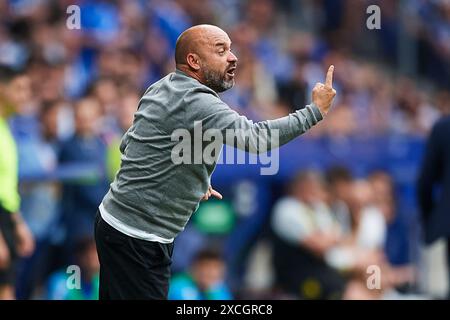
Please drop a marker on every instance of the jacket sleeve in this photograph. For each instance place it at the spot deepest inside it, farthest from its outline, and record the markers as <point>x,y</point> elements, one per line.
<point>254,137</point>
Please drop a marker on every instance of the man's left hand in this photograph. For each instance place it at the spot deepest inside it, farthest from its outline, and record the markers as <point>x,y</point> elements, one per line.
<point>213,193</point>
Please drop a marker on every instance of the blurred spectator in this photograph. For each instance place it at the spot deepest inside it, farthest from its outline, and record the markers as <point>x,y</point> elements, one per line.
<point>364,245</point>
<point>368,222</point>
<point>40,203</point>
<point>434,187</point>
<point>15,238</point>
<point>124,117</point>
<point>86,148</point>
<point>65,284</point>
<point>106,92</point>
<point>315,256</point>
<point>205,279</point>
<point>431,27</point>
<point>304,231</point>
<point>24,124</point>
<point>340,180</point>
<point>397,245</point>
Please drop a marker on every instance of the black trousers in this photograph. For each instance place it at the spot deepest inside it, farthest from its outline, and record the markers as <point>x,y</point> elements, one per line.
<point>131,268</point>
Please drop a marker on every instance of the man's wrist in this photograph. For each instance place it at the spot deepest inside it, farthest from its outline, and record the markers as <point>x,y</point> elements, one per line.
<point>317,112</point>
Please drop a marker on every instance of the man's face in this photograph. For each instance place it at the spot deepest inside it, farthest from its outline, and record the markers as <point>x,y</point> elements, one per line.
<point>218,63</point>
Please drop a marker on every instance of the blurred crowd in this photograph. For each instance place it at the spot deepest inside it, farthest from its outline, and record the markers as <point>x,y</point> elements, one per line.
<point>69,94</point>
<point>329,230</point>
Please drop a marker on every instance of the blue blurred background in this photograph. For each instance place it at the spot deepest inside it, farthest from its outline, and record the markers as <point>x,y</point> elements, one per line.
<point>71,94</point>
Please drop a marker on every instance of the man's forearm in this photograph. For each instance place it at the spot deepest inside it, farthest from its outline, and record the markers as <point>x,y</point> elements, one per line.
<point>296,123</point>
<point>269,134</point>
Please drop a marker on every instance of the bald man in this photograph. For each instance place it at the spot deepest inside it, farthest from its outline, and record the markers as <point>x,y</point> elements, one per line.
<point>152,196</point>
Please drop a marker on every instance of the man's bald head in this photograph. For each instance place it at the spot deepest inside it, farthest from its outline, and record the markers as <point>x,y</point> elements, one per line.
<point>194,39</point>
<point>204,52</point>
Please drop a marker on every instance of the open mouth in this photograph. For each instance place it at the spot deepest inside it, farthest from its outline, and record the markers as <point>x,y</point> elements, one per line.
<point>230,71</point>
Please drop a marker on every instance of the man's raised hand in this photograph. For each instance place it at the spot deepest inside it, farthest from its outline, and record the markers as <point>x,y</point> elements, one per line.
<point>323,94</point>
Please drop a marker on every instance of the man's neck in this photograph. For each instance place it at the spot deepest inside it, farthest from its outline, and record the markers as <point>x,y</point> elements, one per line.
<point>189,73</point>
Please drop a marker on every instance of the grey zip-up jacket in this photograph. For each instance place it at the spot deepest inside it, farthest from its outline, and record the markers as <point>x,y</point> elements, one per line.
<point>156,195</point>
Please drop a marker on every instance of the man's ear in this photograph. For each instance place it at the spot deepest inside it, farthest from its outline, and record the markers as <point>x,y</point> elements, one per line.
<point>193,61</point>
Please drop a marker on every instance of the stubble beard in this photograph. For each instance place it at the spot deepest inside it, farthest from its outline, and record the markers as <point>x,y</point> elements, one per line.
<point>216,80</point>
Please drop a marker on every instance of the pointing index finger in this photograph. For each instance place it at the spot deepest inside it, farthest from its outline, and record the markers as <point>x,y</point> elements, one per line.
<point>216,194</point>
<point>329,78</point>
